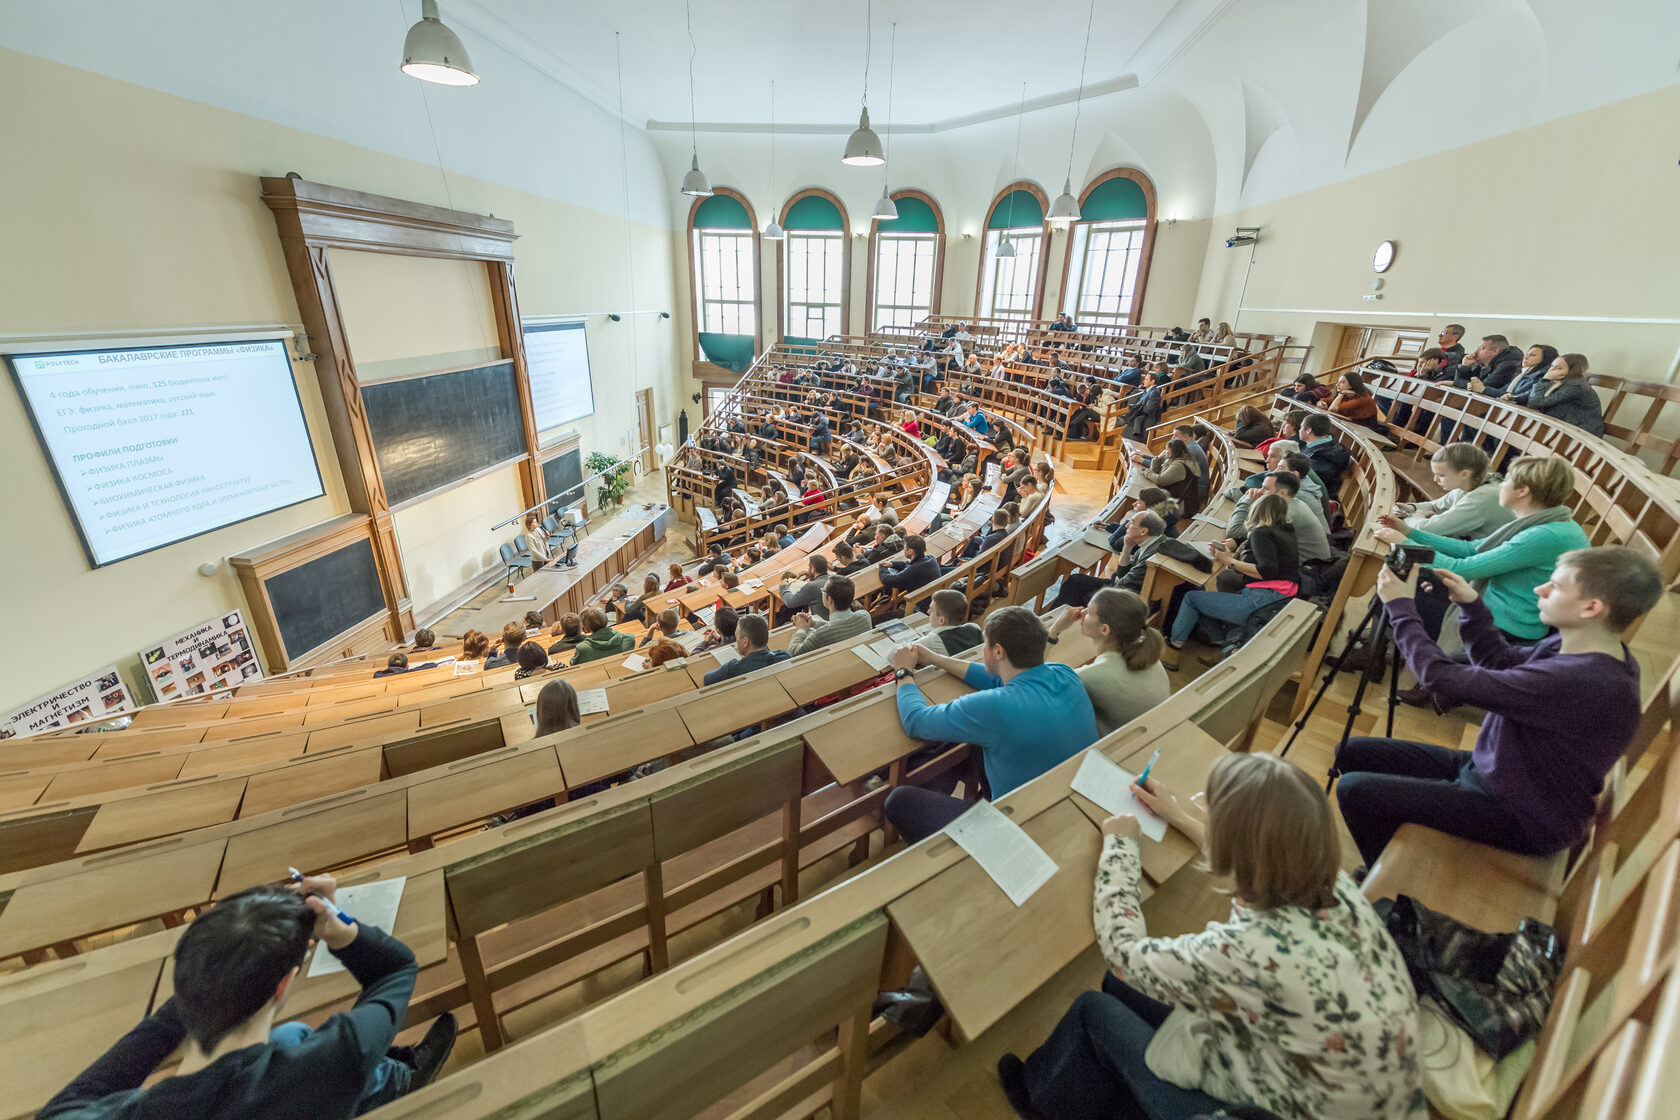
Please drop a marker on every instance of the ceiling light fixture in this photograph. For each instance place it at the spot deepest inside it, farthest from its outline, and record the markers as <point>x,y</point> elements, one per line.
<point>434,53</point>
<point>1065,209</point>
<point>773,231</point>
<point>863,147</point>
<point>694,184</point>
<point>1006,247</point>
<point>886,210</point>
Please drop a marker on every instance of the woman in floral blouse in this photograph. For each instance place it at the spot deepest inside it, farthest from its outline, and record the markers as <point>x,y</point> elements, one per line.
<point>1299,1003</point>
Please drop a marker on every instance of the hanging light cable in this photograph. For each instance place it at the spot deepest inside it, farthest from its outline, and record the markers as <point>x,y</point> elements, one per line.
<point>886,210</point>
<point>863,147</point>
<point>1006,247</point>
<point>694,184</point>
<point>1066,208</point>
<point>773,231</point>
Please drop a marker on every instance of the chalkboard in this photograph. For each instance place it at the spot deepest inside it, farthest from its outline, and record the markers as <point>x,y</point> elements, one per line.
<point>561,477</point>
<point>325,597</point>
<point>431,431</point>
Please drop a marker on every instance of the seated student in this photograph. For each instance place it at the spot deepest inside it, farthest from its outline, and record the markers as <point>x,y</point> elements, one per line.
<point>513,636</point>
<point>1353,401</point>
<point>424,641</point>
<point>677,580</point>
<point>1196,439</point>
<point>1536,363</point>
<point>533,621</point>
<point>1026,715</point>
<point>722,630</point>
<point>556,710</point>
<point>233,969</point>
<point>995,531</point>
<point>1508,564</point>
<point>784,539</point>
<point>532,660</point>
<point>1126,677</point>
<point>1470,507</point>
<point>1307,390</point>
<point>1310,537</point>
<point>1176,471</point>
<point>1267,569</point>
<point>663,650</point>
<point>599,639</point>
<point>570,632</point>
<point>947,612</point>
<point>886,544</point>
<point>1288,428</point>
<point>846,561</point>
<point>844,621</point>
<point>643,607</point>
<point>1329,459</point>
<point>396,663</point>
<point>1253,428</point>
<point>1299,1003</point>
<point>1141,539</point>
<point>474,645</point>
<point>752,642</point>
<point>807,595</point>
<point>1031,495</point>
<point>1490,368</point>
<point>1559,714</point>
<point>1144,410</point>
<point>916,569</point>
<point>1312,489</point>
<point>1563,392</point>
<point>667,626</point>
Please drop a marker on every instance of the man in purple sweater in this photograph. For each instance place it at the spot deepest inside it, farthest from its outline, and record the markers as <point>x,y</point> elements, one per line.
<point>1559,713</point>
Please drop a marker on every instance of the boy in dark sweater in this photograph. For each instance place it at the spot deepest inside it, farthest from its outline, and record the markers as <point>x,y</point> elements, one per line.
<point>234,967</point>
<point>1560,713</point>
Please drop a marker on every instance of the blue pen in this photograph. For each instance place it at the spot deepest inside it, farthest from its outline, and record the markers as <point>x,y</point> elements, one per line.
<point>1143,778</point>
<point>297,877</point>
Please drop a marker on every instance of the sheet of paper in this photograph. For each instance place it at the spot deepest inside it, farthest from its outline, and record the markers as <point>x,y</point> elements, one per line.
<point>1003,851</point>
<point>1110,785</point>
<point>725,654</point>
<point>883,648</point>
<point>689,639</point>
<point>1097,537</point>
<point>636,663</point>
<point>705,614</point>
<point>373,904</point>
<point>592,701</point>
<point>898,632</point>
<point>755,584</point>
<point>533,631</point>
<point>466,668</point>
<point>871,658</point>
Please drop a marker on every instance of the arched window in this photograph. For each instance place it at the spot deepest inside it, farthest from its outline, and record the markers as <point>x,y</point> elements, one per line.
<point>906,262</point>
<point>1012,287</point>
<point>1110,246</point>
<point>814,267</point>
<point>723,275</point>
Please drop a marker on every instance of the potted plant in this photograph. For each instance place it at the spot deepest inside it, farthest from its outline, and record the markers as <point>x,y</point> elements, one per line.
<point>614,484</point>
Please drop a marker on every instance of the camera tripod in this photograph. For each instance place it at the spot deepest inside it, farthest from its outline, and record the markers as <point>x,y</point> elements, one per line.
<point>1376,620</point>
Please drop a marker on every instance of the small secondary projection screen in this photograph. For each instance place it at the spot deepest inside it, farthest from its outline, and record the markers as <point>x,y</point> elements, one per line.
<point>557,359</point>
<point>152,445</point>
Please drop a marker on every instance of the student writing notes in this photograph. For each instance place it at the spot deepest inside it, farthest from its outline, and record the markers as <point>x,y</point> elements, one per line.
<point>233,969</point>
<point>1299,1003</point>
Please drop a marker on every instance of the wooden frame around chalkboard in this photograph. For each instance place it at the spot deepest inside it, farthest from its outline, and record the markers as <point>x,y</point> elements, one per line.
<point>313,218</point>
<point>255,569</point>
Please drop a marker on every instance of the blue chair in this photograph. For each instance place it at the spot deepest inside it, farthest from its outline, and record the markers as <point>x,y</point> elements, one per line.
<point>550,526</point>
<point>512,559</point>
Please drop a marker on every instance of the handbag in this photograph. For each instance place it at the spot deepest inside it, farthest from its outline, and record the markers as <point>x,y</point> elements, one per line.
<point>1497,986</point>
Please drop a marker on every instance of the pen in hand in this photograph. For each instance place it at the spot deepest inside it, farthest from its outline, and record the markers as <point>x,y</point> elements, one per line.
<point>296,876</point>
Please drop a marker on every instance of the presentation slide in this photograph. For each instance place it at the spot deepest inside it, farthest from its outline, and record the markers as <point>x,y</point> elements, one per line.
<point>157,444</point>
<point>557,357</point>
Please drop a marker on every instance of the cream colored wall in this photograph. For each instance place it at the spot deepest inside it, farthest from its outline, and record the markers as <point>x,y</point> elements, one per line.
<point>413,314</point>
<point>446,541</point>
<point>1514,235</point>
<point>141,211</point>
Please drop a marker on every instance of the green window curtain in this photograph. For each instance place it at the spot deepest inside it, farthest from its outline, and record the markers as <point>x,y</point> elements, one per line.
<point>1115,200</point>
<point>1017,210</point>
<point>722,212</point>
<point>813,212</point>
<point>732,351</point>
<point>914,216</point>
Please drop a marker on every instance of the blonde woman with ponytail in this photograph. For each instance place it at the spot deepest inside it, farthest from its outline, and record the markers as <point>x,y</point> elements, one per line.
<point>1126,677</point>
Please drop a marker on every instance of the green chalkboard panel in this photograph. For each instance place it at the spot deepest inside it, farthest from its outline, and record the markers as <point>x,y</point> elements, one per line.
<point>431,431</point>
<point>325,597</point>
<point>563,477</point>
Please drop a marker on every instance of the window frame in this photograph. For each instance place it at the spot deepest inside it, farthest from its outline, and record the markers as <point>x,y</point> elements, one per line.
<point>1151,222</point>
<point>980,278</point>
<point>698,362</point>
<point>700,298</point>
<point>1079,245</point>
<point>876,232</point>
<point>845,233</point>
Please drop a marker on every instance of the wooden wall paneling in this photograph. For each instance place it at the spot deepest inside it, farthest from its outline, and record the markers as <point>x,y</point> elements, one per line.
<point>504,300</point>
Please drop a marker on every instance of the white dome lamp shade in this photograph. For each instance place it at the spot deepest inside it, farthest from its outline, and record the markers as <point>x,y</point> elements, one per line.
<point>434,53</point>
<point>863,149</point>
<point>1065,209</point>
<point>885,210</point>
<point>774,231</point>
<point>1006,247</point>
<point>695,184</point>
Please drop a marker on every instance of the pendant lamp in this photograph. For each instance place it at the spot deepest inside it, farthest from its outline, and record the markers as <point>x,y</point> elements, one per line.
<point>773,231</point>
<point>434,53</point>
<point>863,147</point>
<point>886,210</point>
<point>694,184</point>
<point>1065,209</point>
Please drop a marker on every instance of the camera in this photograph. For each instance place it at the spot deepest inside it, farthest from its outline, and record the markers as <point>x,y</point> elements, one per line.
<point>1402,557</point>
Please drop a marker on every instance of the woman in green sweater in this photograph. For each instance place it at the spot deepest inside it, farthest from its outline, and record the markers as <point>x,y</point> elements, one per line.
<point>1518,557</point>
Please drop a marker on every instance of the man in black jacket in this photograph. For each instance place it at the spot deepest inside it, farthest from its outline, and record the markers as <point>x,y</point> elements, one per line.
<point>1452,350</point>
<point>234,967</point>
<point>886,544</point>
<point>752,640</point>
<point>725,483</point>
<point>1329,459</point>
<point>1492,368</point>
<point>993,535</point>
<point>846,560</point>
<point>950,634</point>
<point>910,573</point>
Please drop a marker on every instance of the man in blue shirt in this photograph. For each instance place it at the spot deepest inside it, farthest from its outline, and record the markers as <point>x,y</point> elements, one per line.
<point>1024,715</point>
